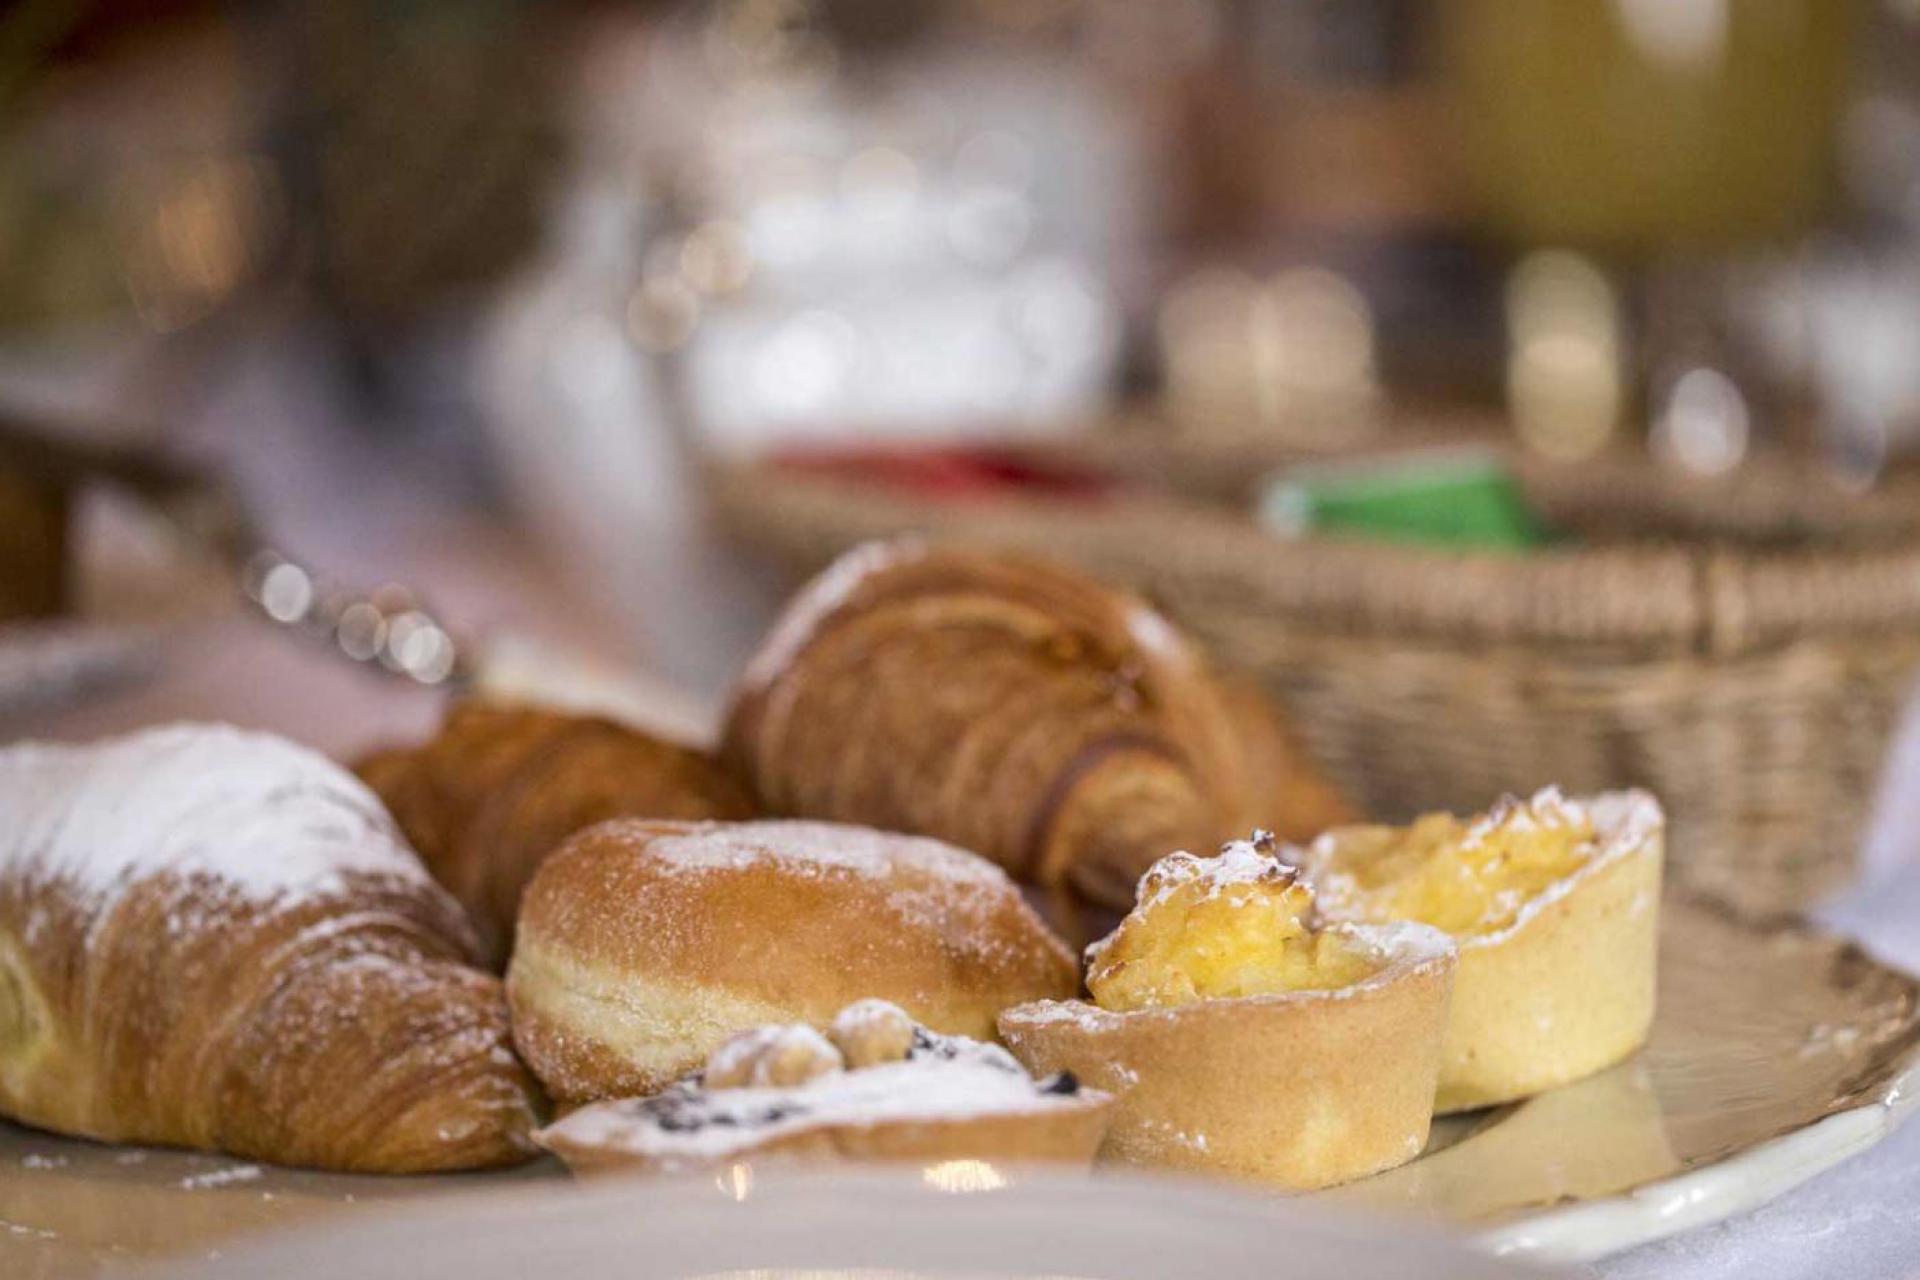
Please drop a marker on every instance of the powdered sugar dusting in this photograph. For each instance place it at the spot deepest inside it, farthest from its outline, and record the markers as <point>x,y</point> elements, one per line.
<point>258,813</point>
<point>1254,862</point>
<point>1239,862</point>
<point>288,908</point>
<point>747,1057</point>
<point>1544,810</point>
<point>1399,942</point>
<point>221,1177</point>
<point>1401,947</point>
<point>1625,818</point>
<point>828,591</point>
<point>1623,822</point>
<point>1041,1013</point>
<point>1149,629</point>
<point>811,846</point>
<point>693,1125</point>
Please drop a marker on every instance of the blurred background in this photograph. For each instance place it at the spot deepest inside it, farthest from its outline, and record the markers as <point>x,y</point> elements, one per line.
<point>1525,392</point>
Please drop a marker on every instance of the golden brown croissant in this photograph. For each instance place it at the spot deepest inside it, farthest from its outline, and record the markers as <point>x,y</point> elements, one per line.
<point>1012,707</point>
<point>502,786</point>
<point>217,939</point>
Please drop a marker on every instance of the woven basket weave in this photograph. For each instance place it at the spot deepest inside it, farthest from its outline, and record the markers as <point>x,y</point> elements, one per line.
<point>1743,650</point>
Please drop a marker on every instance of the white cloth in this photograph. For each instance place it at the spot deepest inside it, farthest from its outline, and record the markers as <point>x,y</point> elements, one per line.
<point>1860,1220</point>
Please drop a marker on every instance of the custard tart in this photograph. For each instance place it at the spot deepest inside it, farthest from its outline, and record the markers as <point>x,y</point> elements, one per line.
<point>1243,1040</point>
<point>1554,904</point>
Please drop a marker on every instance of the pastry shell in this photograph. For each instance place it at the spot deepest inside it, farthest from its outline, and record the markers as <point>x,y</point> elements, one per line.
<point>1568,988</point>
<point>608,1137</point>
<point>1297,1090</point>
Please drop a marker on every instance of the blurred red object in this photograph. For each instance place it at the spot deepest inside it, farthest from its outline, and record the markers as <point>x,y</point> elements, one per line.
<point>950,473</point>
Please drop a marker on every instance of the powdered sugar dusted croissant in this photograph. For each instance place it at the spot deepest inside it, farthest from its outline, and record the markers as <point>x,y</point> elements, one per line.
<point>217,939</point>
<point>1010,706</point>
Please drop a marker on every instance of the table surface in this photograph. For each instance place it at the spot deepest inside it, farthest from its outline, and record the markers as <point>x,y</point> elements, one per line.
<point>348,503</point>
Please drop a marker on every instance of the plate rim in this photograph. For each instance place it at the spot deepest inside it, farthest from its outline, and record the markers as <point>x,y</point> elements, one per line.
<point>1586,1230</point>
<point>1189,1201</point>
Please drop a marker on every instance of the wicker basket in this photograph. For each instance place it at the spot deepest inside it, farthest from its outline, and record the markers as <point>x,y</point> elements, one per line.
<point>1744,650</point>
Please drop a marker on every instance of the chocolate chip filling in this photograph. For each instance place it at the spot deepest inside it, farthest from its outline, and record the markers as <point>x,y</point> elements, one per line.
<point>1063,1083</point>
<point>688,1110</point>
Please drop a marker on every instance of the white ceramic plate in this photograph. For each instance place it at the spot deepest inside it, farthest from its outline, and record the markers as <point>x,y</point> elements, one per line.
<point>865,1226</point>
<point>1778,1052</point>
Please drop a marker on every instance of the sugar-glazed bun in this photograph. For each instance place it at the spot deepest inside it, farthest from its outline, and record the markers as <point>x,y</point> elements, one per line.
<point>644,945</point>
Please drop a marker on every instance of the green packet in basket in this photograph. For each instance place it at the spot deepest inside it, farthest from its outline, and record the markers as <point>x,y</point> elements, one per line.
<point>1465,498</point>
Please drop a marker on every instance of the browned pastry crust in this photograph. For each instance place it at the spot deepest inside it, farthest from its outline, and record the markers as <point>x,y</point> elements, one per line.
<point>1013,707</point>
<point>642,945</point>
<point>351,1034</point>
<point>501,786</point>
<point>1569,986</point>
<point>1297,1090</point>
<point>334,1022</point>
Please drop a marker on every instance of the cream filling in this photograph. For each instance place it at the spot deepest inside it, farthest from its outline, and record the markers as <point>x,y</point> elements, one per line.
<point>1626,824</point>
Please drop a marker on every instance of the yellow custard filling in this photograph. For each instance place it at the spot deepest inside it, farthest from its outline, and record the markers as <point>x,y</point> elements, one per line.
<point>1466,877</point>
<point>1239,924</point>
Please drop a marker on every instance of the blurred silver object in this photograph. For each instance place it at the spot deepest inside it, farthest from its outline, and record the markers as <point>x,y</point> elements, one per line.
<point>760,244</point>
<point>1291,357</point>
<point>1701,422</point>
<point>45,664</point>
<point>917,249</point>
<point>167,543</point>
<point>386,628</point>
<point>1566,357</point>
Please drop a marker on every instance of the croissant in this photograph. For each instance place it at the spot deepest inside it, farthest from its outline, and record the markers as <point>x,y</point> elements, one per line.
<point>1001,703</point>
<point>217,939</point>
<point>500,787</point>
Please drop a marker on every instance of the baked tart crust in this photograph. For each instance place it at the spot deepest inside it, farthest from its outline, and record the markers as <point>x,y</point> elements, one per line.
<point>1556,978</point>
<point>1299,1086</point>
